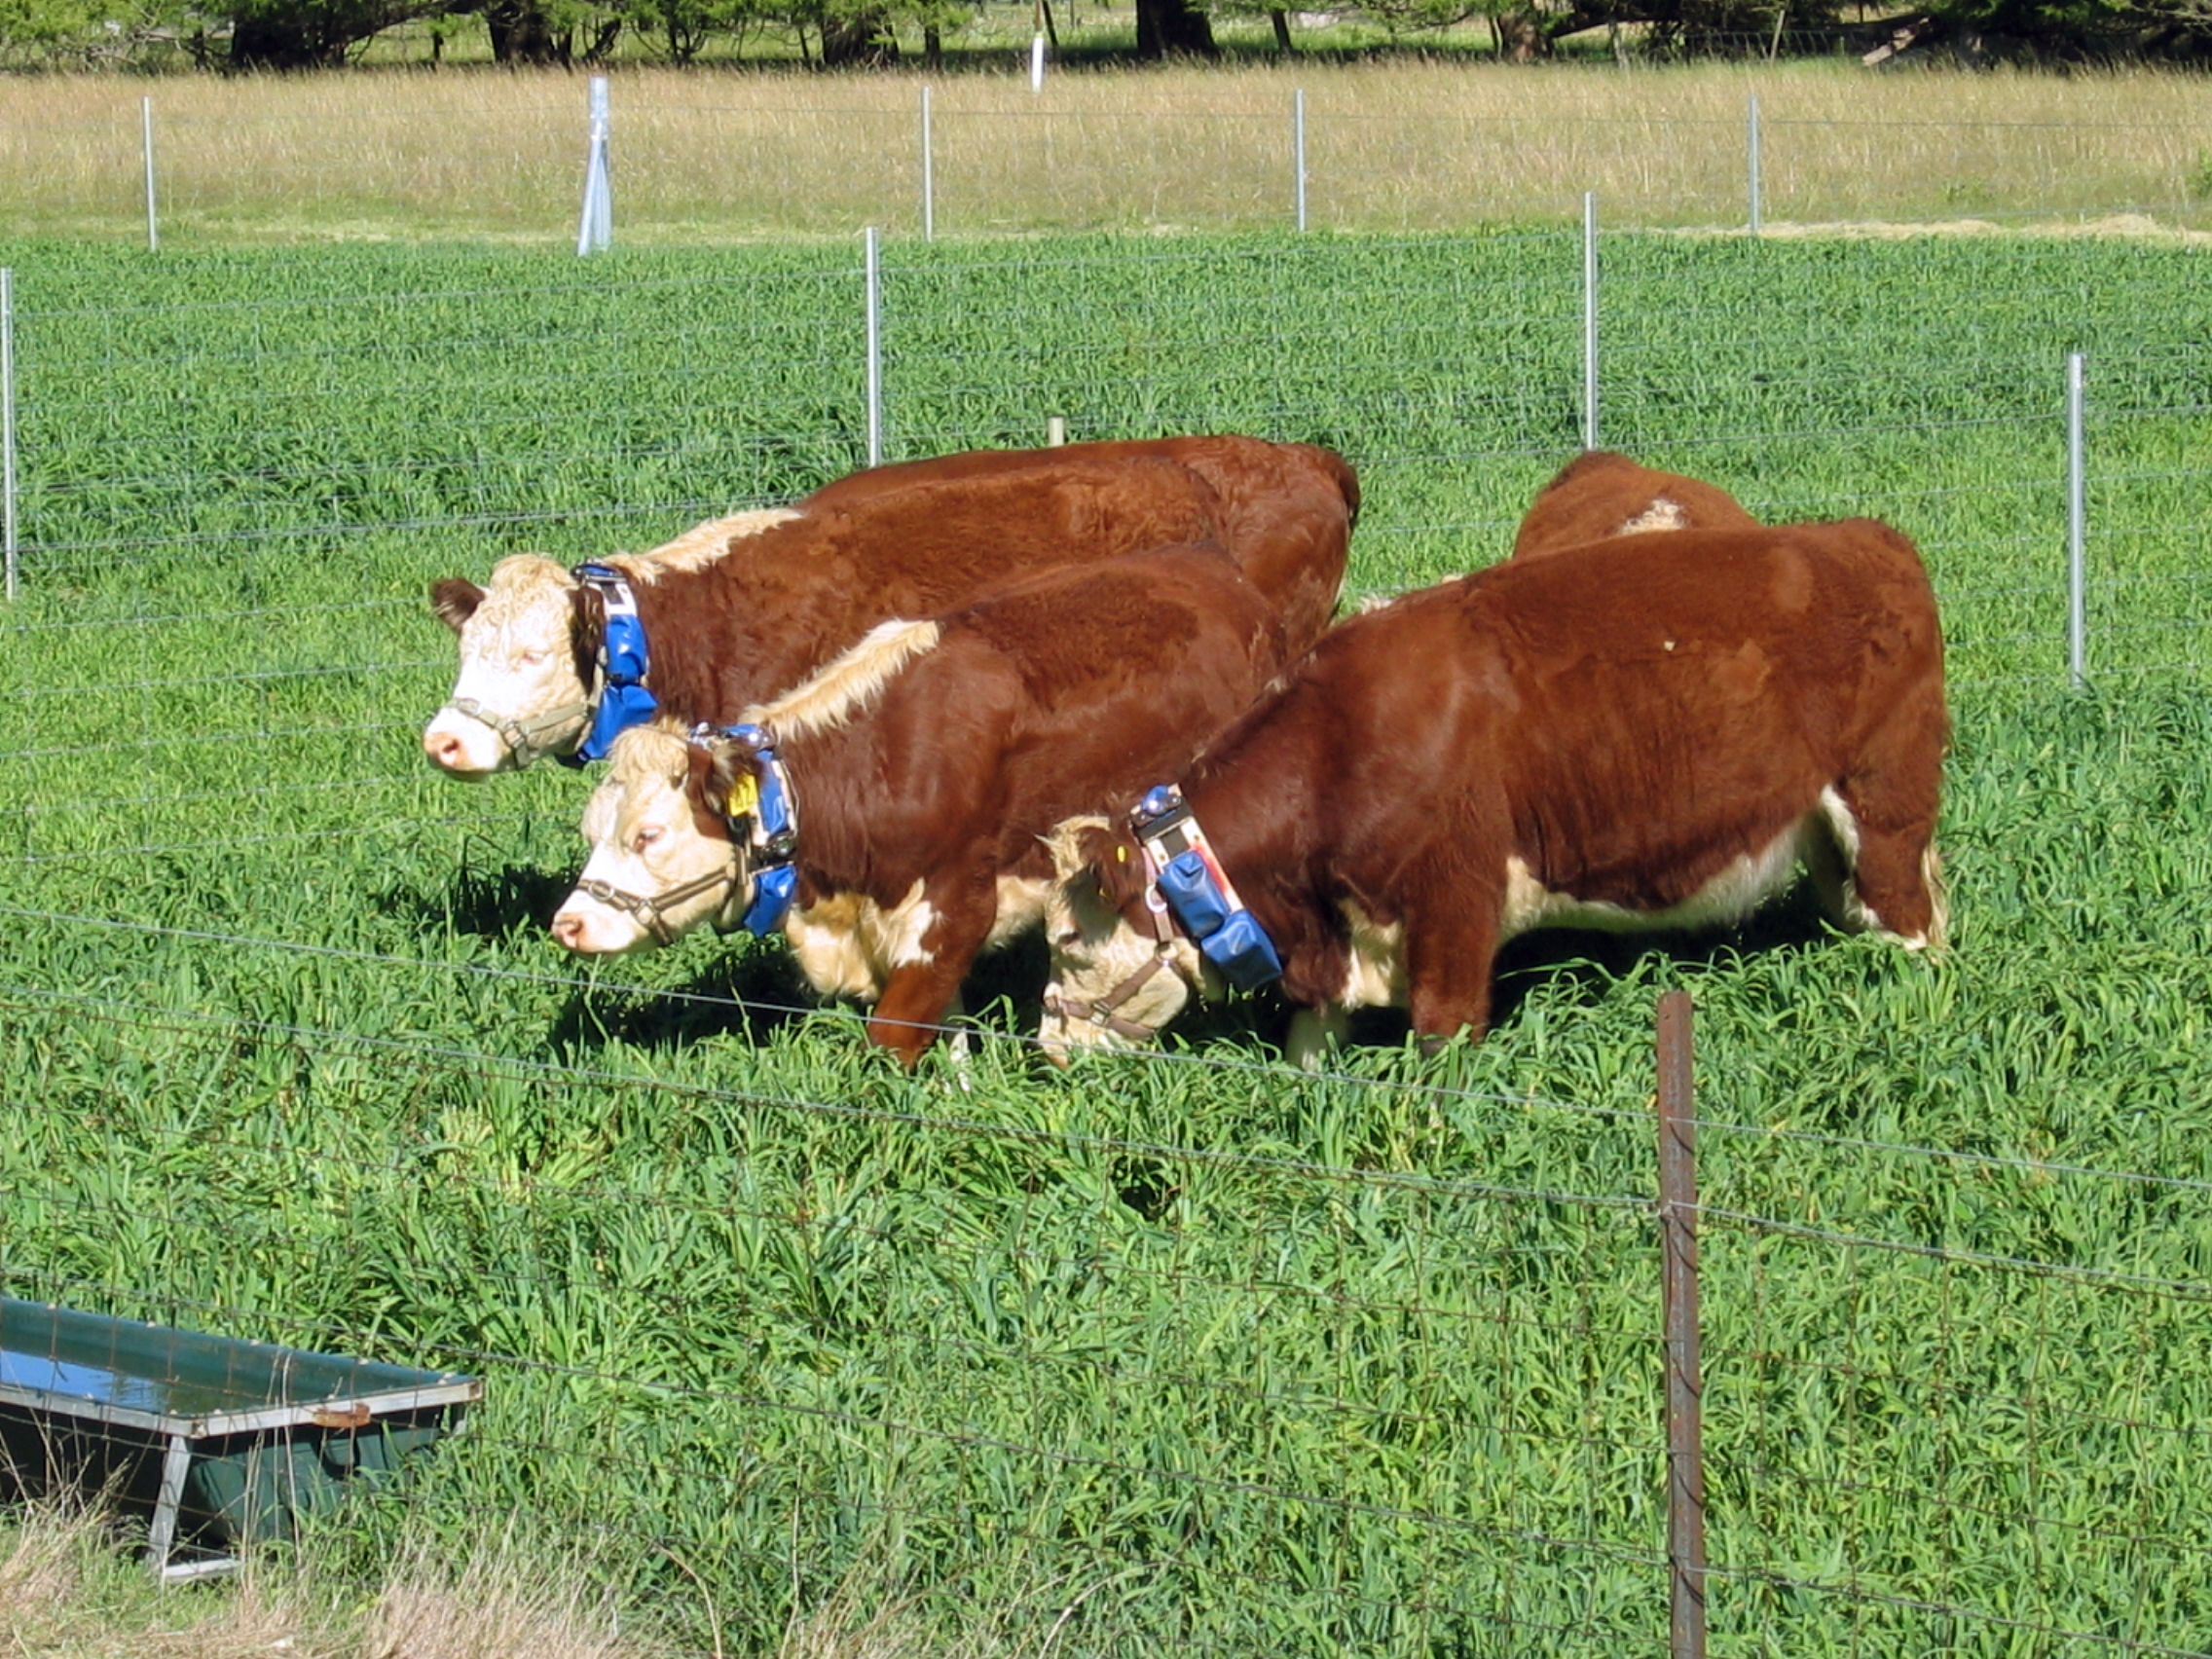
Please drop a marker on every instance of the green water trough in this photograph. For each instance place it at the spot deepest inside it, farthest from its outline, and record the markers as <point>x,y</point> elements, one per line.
<point>217,1441</point>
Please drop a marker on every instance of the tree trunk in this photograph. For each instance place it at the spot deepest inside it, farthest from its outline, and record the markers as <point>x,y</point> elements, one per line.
<point>1173,26</point>
<point>860,42</point>
<point>275,40</point>
<point>933,46</point>
<point>520,33</point>
<point>1281,21</point>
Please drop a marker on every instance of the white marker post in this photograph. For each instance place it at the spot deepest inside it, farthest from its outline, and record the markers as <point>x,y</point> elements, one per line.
<point>597,229</point>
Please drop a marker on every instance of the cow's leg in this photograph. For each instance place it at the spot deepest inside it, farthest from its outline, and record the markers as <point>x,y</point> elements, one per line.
<point>1890,798</point>
<point>919,992</point>
<point>1449,959</point>
<point>1313,1033</point>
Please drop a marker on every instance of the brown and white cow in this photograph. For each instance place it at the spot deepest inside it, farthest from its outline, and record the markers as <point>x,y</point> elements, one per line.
<point>923,768</point>
<point>1602,494</point>
<point>741,608</point>
<point>1655,734</point>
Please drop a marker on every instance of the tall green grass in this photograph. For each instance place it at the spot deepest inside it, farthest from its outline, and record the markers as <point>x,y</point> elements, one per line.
<point>1184,1349</point>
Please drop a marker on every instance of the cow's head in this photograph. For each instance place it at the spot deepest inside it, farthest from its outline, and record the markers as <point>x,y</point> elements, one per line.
<point>526,647</point>
<point>663,857</point>
<point>1114,980</point>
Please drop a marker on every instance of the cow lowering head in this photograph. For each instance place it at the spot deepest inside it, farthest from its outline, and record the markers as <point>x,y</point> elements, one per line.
<point>527,645</point>
<point>663,855</point>
<point>1120,970</point>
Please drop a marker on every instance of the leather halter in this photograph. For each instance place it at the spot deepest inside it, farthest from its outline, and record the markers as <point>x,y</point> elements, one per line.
<point>1104,1012</point>
<point>647,908</point>
<point>526,738</point>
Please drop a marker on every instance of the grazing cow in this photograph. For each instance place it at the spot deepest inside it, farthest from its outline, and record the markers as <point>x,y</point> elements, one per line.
<point>1602,494</point>
<point>555,662</point>
<point>1653,735</point>
<point>900,797</point>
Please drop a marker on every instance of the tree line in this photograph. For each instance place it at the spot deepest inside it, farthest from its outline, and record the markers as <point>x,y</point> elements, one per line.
<point>321,34</point>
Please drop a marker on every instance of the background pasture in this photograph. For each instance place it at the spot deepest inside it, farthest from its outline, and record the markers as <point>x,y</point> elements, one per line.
<point>1182,1348</point>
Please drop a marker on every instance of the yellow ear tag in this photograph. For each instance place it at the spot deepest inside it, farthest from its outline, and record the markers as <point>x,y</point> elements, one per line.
<point>744,798</point>
<point>1121,855</point>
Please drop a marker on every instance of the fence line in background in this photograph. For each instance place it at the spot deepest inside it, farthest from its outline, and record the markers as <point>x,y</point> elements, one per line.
<point>1345,147</point>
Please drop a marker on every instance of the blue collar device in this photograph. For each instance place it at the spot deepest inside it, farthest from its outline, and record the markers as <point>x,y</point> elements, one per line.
<point>1199,891</point>
<point>623,701</point>
<point>764,800</point>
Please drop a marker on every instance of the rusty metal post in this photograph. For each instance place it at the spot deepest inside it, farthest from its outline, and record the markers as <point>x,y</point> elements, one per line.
<point>1678,1236</point>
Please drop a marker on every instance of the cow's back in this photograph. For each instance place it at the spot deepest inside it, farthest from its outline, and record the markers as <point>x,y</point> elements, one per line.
<point>1048,697</point>
<point>1603,494</point>
<point>778,605</point>
<point>1286,509</point>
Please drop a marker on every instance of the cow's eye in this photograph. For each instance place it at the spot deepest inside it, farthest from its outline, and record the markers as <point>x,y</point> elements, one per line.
<point>535,659</point>
<point>645,838</point>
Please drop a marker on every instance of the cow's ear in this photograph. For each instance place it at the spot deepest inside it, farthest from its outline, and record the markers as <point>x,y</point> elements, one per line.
<point>713,773</point>
<point>455,600</point>
<point>589,605</point>
<point>1115,861</point>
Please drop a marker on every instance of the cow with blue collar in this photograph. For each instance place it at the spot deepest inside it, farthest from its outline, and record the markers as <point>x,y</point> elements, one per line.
<point>1643,733</point>
<point>886,817</point>
<point>555,661</point>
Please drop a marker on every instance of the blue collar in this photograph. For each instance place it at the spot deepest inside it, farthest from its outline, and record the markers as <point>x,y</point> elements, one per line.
<point>769,827</point>
<point>622,701</point>
<point>1199,891</point>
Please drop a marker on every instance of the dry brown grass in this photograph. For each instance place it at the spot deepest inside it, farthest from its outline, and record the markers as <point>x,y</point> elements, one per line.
<point>67,1591</point>
<point>706,157</point>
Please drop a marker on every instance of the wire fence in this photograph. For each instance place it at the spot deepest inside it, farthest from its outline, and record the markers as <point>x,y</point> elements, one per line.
<point>1194,1349</point>
<point>1394,1409</point>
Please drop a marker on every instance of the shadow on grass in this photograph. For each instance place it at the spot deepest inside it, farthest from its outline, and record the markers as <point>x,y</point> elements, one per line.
<point>514,901</point>
<point>1576,967</point>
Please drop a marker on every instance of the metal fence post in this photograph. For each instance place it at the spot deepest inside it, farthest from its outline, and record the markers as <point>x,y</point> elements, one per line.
<point>874,280</point>
<point>8,423</point>
<point>153,232</point>
<point>1754,152</point>
<point>597,228</point>
<point>1678,1242</point>
<point>1298,150</point>
<point>929,182</point>
<point>1590,319</point>
<point>2077,528</point>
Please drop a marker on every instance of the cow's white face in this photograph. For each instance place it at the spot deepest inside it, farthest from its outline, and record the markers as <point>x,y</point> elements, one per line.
<point>1096,952</point>
<point>656,869</point>
<point>518,677</point>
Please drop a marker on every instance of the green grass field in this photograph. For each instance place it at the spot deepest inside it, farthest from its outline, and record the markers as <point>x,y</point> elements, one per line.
<point>1177,1350</point>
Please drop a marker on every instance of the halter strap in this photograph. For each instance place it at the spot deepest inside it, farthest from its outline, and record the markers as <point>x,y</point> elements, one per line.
<point>526,738</point>
<point>647,908</point>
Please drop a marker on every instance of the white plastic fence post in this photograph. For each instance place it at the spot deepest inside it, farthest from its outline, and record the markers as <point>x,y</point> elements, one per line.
<point>929,185</point>
<point>153,232</point>
<point>8,423</point>
<point>1298,149</point>
<point>1590,319</point>
<point>2076,528</point>
<point>597,228</point>
<point>1755,151</point>
<point>875,277</point>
